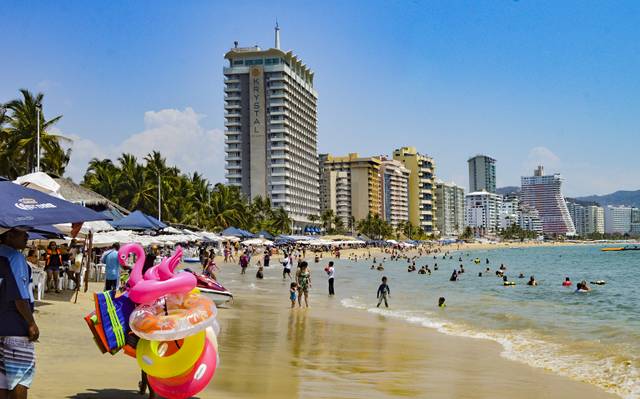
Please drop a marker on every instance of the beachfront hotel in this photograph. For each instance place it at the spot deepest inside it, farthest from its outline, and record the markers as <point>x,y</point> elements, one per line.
<point>394,178</point>
<point>350,186</point>
<point>271,129</point>
<point>482,173</point>
<point>482,212</point>
<point>587,219</point>
<point>544,193</point>
<point>449,208</point>
<point>422,206</point>
<point>617,219</point>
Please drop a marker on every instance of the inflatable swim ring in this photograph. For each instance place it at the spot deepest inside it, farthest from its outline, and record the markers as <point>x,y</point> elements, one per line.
<point>153,359</point>
<point>506,283</point>
<point>173,317</point>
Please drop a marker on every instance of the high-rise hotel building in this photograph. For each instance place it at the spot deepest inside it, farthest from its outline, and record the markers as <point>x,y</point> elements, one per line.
<point>271,129</point>
<point>350,186</point>
<point>422,202</point>
<point>482,174</point>
<point>544,194</point>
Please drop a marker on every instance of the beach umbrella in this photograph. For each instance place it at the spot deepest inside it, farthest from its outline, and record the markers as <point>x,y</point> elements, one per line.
<point>27,208</point>
<point>138,221</point>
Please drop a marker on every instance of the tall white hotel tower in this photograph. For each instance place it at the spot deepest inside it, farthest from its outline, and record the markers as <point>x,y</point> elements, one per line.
<point>271,129</point>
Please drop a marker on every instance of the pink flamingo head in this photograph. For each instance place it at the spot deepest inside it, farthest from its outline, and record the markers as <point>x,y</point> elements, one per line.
<point>123,255</point>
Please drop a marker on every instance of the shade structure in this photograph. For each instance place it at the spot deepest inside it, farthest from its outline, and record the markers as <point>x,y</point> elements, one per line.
<point>235,232</point>
<point>265,234</point>
<point>138,220</point>
<point>258,241</point>
<point>24,207</point>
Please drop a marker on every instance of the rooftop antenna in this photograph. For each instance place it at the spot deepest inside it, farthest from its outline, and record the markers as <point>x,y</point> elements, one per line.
<point>277,35</point>
<point>235,44</point>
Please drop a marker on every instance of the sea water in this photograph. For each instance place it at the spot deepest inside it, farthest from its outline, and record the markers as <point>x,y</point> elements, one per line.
<point>593,337</point>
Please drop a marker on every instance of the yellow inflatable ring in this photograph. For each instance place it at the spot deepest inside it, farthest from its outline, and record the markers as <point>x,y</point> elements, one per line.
<point>153,363</point>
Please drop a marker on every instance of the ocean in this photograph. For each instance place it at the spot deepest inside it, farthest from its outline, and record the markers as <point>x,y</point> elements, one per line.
<point>592,337</point>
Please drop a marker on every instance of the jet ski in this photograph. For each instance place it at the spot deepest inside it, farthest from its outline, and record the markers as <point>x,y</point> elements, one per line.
<point>212,289</point>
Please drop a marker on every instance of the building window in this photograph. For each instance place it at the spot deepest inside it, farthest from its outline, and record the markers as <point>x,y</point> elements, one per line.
<point>238,62</point>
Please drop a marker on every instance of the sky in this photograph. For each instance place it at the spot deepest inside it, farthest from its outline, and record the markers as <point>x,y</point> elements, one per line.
<point>526,82</point>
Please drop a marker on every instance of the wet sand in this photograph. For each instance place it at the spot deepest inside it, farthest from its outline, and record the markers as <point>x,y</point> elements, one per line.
<point>270,351</point>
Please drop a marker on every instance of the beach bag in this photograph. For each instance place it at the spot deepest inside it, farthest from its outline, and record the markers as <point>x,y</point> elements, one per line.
<point>113,314</point>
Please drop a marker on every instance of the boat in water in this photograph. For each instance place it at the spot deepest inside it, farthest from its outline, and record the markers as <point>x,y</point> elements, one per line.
<point>625,248</point>
<point>212,289</point>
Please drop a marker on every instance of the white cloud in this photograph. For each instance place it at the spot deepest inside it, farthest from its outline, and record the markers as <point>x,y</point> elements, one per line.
<point>177,135</point>
<point>542,156</point>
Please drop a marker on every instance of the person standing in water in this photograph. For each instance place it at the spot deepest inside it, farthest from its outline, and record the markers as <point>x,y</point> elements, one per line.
<point>303,278</point>
<point>331,273</point>
<point>383,293</point>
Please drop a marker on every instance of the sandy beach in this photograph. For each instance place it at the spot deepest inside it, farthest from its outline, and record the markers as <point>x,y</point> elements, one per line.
<point>270,351</point>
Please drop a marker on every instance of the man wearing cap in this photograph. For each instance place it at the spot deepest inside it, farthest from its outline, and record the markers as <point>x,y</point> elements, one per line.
<point>18,329</point>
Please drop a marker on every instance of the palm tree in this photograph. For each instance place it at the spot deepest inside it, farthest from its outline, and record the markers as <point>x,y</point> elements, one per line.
<point>281,223</point>
<point>103,176</point>
<point>227,207</point>
<point>20,138</point>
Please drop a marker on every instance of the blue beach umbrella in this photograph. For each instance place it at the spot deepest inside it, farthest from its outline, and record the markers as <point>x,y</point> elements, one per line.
<point>28,208</point>
<point>138,221</point>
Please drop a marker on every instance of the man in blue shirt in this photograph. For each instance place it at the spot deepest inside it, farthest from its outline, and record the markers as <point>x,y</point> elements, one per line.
<point>18,329</point>
<point>112,268</point>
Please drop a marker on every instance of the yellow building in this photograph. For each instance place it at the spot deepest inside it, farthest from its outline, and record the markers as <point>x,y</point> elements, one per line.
<point>360,177</point>
<point>422,189</point>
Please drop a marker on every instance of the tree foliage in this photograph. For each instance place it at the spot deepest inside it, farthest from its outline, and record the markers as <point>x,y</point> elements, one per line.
<point>373,226</point>
<point>186,199</point>
<point>18,138</point>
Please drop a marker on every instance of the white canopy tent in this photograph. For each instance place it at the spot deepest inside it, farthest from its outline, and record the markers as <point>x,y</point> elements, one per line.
<point>258,241</point>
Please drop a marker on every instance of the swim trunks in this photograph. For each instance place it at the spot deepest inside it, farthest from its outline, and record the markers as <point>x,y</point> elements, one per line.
<point>17,362</point>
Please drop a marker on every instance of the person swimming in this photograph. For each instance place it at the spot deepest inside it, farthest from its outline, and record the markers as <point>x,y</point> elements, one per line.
<point>441,303</point>
<point>582,287</point>
<point>454,276</point>
<point>567,282</point>
<point>521,275</point>
<point>506,282</point>
<point>532,281</point>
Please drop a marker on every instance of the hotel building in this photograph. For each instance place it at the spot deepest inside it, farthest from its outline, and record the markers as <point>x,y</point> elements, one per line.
<point>351,183</point>
<point>544,194</point>
<point>449,209</point>
<point>482,174</point>
<point>395,191</point>
<point>422,207</point>
<point>482,212</point>
<point>617,219</point>
<point>271,129</point>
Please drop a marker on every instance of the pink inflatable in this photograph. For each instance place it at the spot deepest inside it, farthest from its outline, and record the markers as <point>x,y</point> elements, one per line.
<point>155,283</point>
<point>195,380</point>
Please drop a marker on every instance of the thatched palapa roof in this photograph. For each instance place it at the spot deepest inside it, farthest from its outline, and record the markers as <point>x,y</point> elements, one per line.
<point>78,194</point>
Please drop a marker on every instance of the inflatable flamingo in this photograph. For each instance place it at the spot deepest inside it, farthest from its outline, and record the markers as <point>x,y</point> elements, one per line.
<point>155,283</point>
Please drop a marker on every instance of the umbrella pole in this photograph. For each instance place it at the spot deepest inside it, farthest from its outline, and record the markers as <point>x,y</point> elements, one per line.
<point>84,256</point>
<point>89,256</point>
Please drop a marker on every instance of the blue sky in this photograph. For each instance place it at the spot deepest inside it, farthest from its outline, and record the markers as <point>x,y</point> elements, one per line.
<point>523,81</point>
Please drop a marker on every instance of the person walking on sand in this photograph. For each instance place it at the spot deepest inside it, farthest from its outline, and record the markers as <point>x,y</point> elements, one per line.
<point>303,278</point>
<point>331,273</point>
<point>383,293</point>
<point>18,329</point>
<point>112,268</point>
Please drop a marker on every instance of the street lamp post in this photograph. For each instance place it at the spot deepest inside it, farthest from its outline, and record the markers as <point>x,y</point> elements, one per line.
<point>159,200</point>
<point>38,111</point>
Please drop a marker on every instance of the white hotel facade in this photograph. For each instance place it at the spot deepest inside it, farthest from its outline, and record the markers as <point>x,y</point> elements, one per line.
<point>271,129</point>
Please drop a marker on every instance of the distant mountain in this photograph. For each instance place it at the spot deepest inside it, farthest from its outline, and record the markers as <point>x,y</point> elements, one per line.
<point>629,198</point>
<point>507,190</point>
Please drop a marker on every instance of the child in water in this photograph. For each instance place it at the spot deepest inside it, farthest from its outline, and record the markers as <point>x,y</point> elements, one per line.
<point>441,303</point>
<point>293,294</point>
<point>383,293</point>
